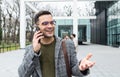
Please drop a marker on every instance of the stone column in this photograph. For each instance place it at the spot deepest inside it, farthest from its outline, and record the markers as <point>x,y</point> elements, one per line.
<point>22,24</point>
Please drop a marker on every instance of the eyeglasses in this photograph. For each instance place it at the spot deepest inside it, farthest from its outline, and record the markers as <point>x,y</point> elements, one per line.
<point>51,22</point>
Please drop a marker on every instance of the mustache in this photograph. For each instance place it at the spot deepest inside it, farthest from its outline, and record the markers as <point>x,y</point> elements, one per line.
<point>50,29</point>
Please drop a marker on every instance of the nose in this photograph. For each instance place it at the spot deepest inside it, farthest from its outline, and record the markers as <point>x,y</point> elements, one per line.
<point>50,25</point>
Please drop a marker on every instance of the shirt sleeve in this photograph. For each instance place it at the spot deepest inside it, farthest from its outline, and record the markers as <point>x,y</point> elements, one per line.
<point>27,66</point>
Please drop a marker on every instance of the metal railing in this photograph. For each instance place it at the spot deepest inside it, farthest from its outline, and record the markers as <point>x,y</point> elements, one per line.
<point>7,48</point>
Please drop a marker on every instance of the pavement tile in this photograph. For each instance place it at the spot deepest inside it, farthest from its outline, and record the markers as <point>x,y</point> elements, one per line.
<point>107,61</point>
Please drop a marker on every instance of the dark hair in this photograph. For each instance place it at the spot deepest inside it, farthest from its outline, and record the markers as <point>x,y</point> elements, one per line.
<point>74,35</point>
<point>40,13</point>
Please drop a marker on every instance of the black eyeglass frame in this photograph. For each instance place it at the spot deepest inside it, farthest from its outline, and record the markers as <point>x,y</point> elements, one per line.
<point>45,23</point>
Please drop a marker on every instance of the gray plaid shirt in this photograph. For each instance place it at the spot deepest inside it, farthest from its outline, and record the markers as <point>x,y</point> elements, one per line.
<point>31,65</point>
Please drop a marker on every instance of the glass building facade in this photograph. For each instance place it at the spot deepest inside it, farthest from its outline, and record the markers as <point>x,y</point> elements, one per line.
<point>113,25</point>
<point>65,27</point>
<point>105,29</point>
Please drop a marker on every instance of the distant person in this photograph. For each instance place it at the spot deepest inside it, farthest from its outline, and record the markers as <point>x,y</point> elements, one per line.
<point>66,37</point>
<point>74,40</point>
<point>45,58</point>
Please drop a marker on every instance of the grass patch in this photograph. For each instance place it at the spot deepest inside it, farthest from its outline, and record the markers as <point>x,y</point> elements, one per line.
<point>5,47</point>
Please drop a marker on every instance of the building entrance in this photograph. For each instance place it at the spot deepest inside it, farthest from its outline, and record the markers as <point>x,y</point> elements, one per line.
<point>115,40</point>
<point>81,34</point>
<point>64,30</point>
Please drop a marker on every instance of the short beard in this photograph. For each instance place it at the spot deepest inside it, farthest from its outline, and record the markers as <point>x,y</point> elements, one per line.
<point>47,36</point>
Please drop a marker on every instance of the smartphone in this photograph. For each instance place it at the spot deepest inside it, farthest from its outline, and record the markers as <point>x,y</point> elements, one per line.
<point>37,29</point>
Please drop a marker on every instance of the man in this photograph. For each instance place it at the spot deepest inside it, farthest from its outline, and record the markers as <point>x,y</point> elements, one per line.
<point>74,40</point>
<point>66,37</point>
<point>44,58</point>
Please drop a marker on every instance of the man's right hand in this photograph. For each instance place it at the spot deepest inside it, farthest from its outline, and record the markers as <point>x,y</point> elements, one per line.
<point>36,44</point>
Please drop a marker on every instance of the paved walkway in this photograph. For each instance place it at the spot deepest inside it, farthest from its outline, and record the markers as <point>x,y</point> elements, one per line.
<point>107,61</point>
<point>9,63</point>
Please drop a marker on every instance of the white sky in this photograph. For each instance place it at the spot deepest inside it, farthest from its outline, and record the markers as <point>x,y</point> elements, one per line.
<point>60,5</point>
<point>82,4</point>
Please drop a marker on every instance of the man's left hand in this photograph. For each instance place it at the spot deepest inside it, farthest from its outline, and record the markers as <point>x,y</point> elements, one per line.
<point>85,63</point>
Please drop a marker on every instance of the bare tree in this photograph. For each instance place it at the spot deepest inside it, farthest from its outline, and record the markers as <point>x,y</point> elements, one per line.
<point>49,8</point>
<point>16,9</point>
<point>4,26</point>
<point>87,9</point>
<point>68,10</point>
<point>90,11</point>
<point>10,10</point>
<point>30,23</point>
<point>0,23</point>
<point>4,17</point>
<point>10,15</point>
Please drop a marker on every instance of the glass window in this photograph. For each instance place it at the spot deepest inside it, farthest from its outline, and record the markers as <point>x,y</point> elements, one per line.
<point>113,25</point>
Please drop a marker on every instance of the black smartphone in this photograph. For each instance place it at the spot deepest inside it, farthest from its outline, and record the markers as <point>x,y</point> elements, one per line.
<point>37,29</point>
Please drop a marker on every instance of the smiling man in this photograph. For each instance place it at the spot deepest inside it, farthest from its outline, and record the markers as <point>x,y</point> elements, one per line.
<point>44,57</point>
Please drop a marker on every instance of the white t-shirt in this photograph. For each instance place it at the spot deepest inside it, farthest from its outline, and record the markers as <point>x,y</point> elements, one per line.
<point>75,42</point>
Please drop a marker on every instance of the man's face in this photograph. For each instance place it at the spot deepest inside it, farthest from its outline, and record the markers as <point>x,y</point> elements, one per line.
<point>46,25</point>
<point>71,36</point>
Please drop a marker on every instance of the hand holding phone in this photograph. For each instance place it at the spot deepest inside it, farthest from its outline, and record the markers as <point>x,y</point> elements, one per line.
<point>36,39</point>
